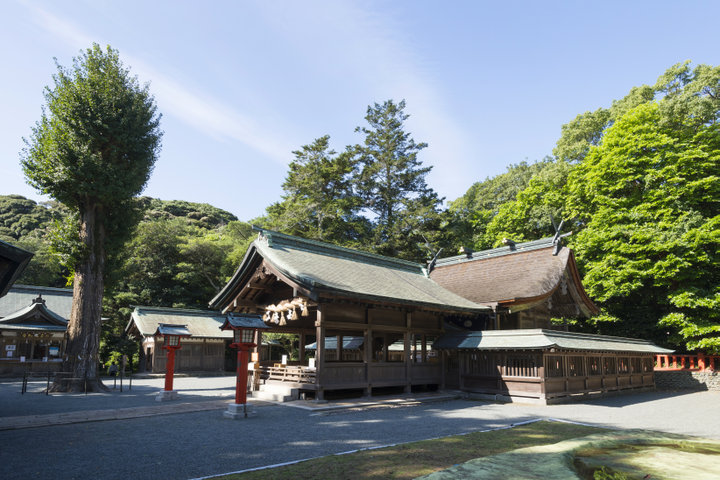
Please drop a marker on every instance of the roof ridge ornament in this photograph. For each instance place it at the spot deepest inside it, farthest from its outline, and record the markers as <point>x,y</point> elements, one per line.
<point>557,239</point>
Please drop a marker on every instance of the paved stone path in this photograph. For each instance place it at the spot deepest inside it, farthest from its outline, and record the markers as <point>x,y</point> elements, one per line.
<point>169,444</point>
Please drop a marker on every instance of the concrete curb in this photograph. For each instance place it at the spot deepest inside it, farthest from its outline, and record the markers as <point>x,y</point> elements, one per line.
<point>33,421</point>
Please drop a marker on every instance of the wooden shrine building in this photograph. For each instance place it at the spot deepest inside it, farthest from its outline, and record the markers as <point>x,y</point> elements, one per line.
<point>328,295</point>
<point>545,365</point>
<point>33,322</point>
<point>203,351</point>
<point>366,321</point>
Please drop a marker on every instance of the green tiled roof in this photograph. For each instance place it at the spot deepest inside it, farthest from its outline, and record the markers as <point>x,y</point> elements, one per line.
<point>541,339</point>
<point>200,324</point>
<point>59,300</point>
<point>325,268</point>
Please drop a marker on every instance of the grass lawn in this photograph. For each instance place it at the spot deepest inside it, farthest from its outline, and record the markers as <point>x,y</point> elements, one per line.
<point>412,460</point>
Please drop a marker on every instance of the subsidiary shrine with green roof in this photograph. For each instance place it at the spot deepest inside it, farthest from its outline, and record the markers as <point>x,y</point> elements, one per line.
<point>478,322</point>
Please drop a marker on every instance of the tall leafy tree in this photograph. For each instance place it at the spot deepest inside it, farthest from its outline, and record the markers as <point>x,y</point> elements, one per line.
<point>649,199</point>
<point>391,184</point>
<point>530,215</point>
<point>319,202</point>
<point>93,150</point>
<point>473,212</point>
<point>586,130</point>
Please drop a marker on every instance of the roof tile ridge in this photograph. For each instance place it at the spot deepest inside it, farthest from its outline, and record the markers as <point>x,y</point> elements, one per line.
<point>174,309</point>
<point>274,238</point>
<point>498,252</point>
<point>21,286</point>
<point>612,338</point>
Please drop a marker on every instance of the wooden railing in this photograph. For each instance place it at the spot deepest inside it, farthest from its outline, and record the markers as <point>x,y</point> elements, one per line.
<point>289,373</point>
<point>698,362</point>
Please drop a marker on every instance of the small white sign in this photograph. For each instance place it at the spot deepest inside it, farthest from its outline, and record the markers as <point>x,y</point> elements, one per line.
<point>284,359</point>
<point>10,348</point>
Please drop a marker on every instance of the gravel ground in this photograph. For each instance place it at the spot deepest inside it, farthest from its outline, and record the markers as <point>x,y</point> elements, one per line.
<point>190,445</point>
<point>142,393</point>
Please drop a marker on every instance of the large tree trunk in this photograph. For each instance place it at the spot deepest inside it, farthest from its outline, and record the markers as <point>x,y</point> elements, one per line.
<point>80,365</point>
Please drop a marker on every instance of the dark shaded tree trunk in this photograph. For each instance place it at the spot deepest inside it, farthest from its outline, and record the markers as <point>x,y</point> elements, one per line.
<point>80,365</point>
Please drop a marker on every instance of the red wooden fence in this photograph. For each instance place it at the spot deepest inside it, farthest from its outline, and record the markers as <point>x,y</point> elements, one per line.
<point>698,362</point>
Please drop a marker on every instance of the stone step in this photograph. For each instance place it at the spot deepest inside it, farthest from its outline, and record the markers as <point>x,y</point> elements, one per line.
<point>276,393</point>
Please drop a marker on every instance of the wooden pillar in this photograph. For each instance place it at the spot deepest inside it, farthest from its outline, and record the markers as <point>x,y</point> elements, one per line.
<point>443,368</point>
<point>367,354</point>
<point>301,347</point>
<point>320,353</point>
<point>408,364</point>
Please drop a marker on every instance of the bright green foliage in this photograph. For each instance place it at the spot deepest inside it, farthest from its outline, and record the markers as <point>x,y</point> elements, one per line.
<point>93,150</point>
<point>649,199</point>
<point>691,97</point>
<point>530,215</point>
<point>586,130</point>
<point>199,214</point>
<point>96,142</point>
<point>318,202</point>
<point>99,136</point>
<point>391,184</point>
<point>31,226</point>
<point>20,216</point>
<point>471,213</point>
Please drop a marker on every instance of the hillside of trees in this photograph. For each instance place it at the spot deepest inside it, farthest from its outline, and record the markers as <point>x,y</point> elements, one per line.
<point>637,182</point>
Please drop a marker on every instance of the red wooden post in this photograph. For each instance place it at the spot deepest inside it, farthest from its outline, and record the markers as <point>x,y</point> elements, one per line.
<point>170,369</point>
<point>245,336</point>
<point>171,335</point>
<point>242,375</point>
<point>701,362</point>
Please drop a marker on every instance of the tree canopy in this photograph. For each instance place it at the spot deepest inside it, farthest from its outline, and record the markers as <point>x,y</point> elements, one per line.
<point>319,202</point>
<point>93,150</point>
<point>391,183</point>
<point>636,181</point>
<point>649,200</point>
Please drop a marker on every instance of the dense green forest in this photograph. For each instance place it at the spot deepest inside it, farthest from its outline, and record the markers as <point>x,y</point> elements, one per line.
<point>637,182</point>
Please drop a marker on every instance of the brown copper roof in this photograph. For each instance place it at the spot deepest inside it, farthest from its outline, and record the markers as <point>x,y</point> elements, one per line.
<point>510,275</point>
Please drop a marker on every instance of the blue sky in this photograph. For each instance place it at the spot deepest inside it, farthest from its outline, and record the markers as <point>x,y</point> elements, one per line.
<point>241,84</point>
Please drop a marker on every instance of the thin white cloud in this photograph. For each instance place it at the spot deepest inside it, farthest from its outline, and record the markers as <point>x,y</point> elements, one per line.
<point>197,110</point>
<point>365,42</point>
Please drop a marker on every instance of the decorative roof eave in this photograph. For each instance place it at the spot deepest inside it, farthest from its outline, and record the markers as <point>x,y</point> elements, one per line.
<point>578,293</point>
<point>232,288</point>
<point>584,298</point>
<point>172,329</point>
<point>15,260</point>
<point>34,311</point>
<point>235,322</point>
<point>32,327</point>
